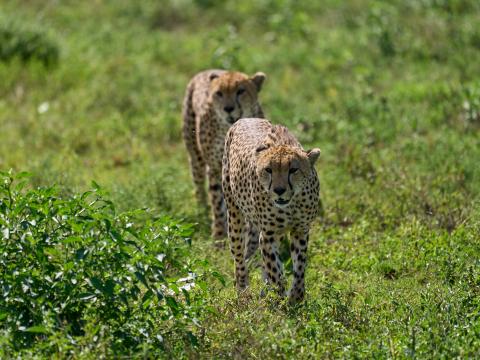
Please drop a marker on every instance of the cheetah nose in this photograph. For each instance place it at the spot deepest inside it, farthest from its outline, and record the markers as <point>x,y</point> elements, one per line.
<point>279,190</point>
<point>228,109</point>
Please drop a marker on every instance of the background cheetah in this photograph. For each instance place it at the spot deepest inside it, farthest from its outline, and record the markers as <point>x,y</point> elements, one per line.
<point>270,184</point>
<point>214,100</point>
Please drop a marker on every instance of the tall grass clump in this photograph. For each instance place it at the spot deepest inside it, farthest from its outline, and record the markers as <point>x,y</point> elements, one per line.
<point>26,44</point>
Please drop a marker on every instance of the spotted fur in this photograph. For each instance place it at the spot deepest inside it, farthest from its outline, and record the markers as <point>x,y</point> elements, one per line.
<point>214,100</point>
<point>271,188</point>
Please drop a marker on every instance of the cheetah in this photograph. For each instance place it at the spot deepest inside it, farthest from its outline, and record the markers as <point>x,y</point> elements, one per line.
<point>271,186</point>
<point>214,100</point>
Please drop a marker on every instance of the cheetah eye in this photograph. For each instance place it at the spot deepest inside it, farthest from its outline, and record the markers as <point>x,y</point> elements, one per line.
<point>293,170</point>
<point>240,91</point>
<point>268,170</point>
<point>219,93</point>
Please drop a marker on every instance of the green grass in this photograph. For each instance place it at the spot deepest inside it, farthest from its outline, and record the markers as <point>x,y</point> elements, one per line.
<point>389,90</point>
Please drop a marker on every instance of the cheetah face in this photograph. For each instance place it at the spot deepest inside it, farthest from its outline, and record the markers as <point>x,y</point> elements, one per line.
<point>283,171</point>
<point>234,95</point>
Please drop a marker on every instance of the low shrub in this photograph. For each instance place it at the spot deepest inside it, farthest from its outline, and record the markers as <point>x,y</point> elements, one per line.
<point>17,42</point>
<point>74,269</point>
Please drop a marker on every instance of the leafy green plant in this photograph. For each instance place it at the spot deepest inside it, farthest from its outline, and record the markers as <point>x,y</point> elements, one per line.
<point>26,45</point>
<point>471,105</point>
<point>74,264</point>
<point>384,30</point>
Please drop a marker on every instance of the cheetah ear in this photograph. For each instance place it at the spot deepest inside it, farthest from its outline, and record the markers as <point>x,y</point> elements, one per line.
<point>313,155</point>
<point>258,80</point>
<point>262,147</point>
<point>213,76</point>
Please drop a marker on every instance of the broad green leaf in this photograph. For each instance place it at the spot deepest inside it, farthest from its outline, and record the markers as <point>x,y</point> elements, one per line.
<point>219,277</point>
<point>141,277</point>
<point>72,239</point>
<point>95,185</point>
<point>38,329</point>
<point>23,174</point>
<point>97,283</point>
<point>172,304</point>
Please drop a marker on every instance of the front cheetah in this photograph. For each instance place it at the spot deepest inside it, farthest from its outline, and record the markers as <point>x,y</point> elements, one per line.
<point>214,100</point>
<point>270,185</point>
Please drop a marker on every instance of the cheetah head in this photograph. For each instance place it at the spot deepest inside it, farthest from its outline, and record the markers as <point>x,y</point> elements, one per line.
<point>284,170</point>
<point>234,95</point>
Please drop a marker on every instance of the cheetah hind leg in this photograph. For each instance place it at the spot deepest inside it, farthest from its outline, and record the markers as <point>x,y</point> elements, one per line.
<point>219,211</point>
<point>198,169</point>
<point>198,174</point>
<point>196,160</point>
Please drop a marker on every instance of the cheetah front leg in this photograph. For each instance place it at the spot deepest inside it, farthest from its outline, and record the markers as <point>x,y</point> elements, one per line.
<point>219,211</point>
<point>236,234</point>
<point>272,266</point>
<point>298,251</point>
<point>252,240</point>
